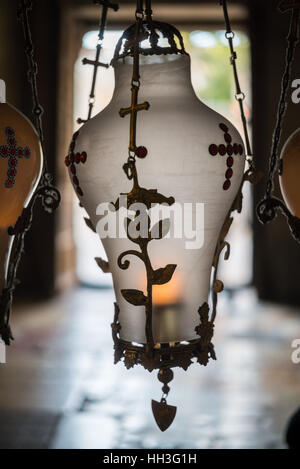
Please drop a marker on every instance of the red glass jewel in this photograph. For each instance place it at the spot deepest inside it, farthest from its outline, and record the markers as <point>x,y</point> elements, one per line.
<point>141,152</point>
<point>222,149</point>
<point>223,127</point>
<point>229,150</point>
<point>226,185</point>
<point>227,138</point>
<point>229,161</point>
<point>213,149</point>
<point>83,157</point>
<point>229,173</point>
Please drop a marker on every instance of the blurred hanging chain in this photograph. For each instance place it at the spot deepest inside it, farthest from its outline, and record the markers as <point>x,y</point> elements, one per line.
<point>49,195</point>
<point>292,40</point>
<point>267,207</point>
<point>106,4</point>
<point>38,111</point>
<point>239,95</point>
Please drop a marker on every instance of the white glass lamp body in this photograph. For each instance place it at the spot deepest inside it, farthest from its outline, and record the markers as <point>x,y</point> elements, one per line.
<point>181,135</point>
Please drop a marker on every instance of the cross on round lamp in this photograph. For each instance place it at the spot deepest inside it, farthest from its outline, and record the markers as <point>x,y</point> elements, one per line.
<point>20,169</point>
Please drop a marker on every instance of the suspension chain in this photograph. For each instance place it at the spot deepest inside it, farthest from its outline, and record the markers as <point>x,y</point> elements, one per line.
<point>239,95</point>
<point>96,63</point>
<point>23,15</point>
<point>292,40</point>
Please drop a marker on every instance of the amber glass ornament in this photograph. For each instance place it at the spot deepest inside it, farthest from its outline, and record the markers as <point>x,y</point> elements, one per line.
<point>21,162</point>
<point>290,171</point>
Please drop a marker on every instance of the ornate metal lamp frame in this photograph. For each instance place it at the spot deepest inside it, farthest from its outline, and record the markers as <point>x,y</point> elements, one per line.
<point>164,357</point>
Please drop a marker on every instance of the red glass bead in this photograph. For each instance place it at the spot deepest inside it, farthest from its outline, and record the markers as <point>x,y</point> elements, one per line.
<point>27,152</point>
<point>75,180</point>
<point>77,158</point>
<point>213,149</point>
<point>229,150</point>
<point>73,169</point>
<point>67,161</point>
<point>229,161</point>
<point>10,132</point>
<point>141,152</point>
<point>227,138</point>
<point>20,152</point>
<point>241,150</point>
<point>83,157</point>
<point>9,182</point>
<point>226,185</point>
<point>72,146</point>
<point>12,172</point>
<point>223,127</point>
<point>13,162</point>
<point>222,149</point>
<point>4,151</point>
<point>229,173</point>
<point>79,191</point>
<point>12,152</point>
<point>235,148</point>
<point>72,158</point>
<point>12,142</point>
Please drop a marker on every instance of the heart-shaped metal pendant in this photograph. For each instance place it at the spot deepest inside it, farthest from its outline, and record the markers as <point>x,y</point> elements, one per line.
<point>164,414</point>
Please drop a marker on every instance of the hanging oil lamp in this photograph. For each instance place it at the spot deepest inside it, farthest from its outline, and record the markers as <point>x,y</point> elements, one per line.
<point>286,163</point>
<point>21,163</point>
<point>23,178</point>
<point>182,157</point>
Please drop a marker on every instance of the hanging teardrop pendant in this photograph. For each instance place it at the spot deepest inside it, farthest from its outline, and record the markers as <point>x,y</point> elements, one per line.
<point>164,414</point>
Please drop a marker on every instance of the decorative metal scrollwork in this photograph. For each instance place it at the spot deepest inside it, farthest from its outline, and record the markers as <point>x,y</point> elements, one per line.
<point>153,32</point>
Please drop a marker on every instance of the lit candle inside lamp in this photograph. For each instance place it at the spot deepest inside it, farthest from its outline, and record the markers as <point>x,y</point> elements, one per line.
<point>166,305</point>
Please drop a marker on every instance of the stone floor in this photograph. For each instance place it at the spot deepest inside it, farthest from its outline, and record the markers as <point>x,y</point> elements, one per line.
<point>60,389</point>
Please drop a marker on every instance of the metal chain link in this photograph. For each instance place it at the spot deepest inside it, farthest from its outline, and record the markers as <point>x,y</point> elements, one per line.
<point>239,95</point>
<point>22,13</point>
<point>292,40</point>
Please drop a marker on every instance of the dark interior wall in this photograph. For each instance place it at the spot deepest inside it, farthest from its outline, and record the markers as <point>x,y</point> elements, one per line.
<point>276,255</point>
